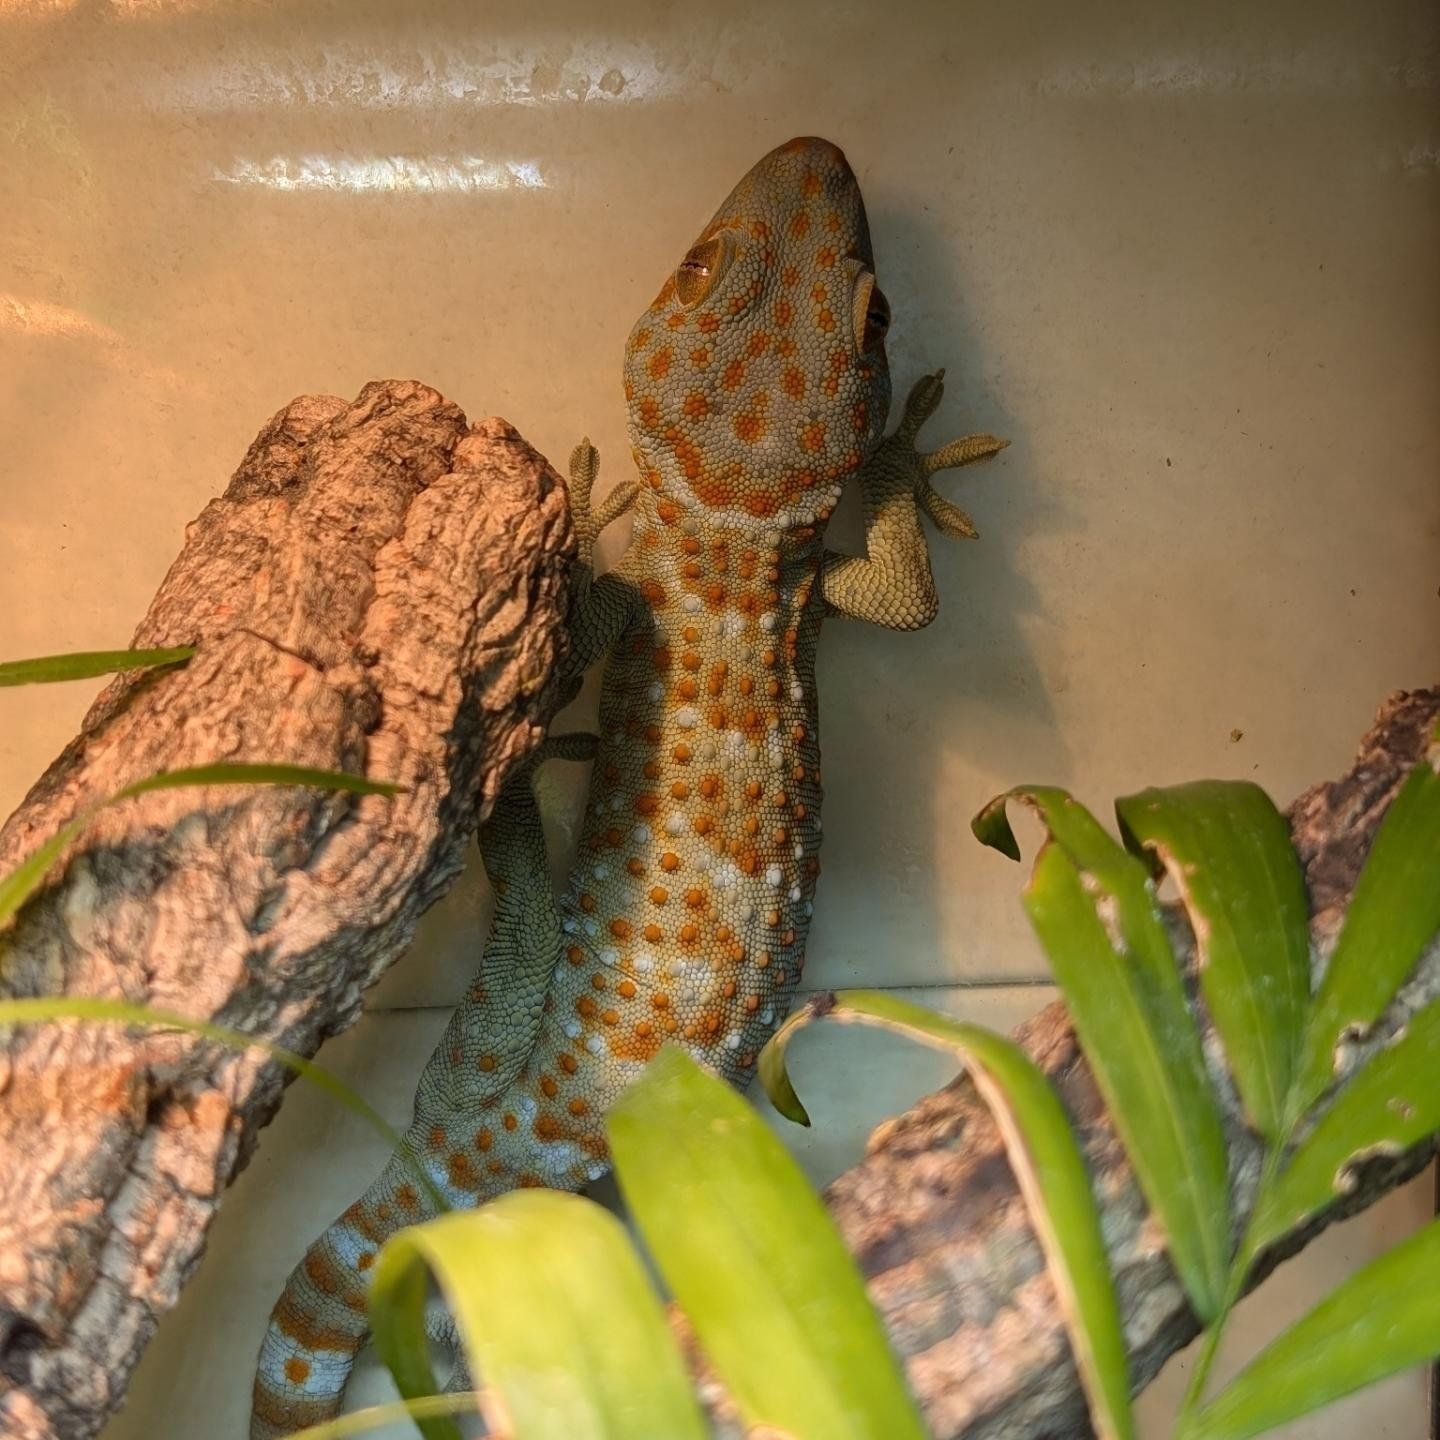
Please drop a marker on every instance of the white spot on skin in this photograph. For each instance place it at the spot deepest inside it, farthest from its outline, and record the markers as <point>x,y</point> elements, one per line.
<point>641,834</point>
<point>570,925</point>
<point>687,717</point>
<point>767,1017</point>
<point>527,1107</point>
<point>594,1170</point>
<point>773,875</point>
<point>600,871</point>
<point>572,1029</point>
<point>675,823</point>
<point>768,621</point>
<point>732,1040</point>
<point>655,692</point>
<point>609,956</point>
<point>595,1045</point>
<point>691,604</point>
<point>799,851</point>
<point>644,962</point>
<point>797,692</point>
<point>592,928</point>
<point>794,892</point>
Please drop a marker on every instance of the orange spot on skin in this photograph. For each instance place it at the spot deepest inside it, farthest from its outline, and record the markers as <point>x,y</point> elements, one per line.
<point>654,934</point>
<point>784,312</point>
<point>810,185</point>
<point>620,929</point>
<point>636,1045</point>
<point>462,1172</point>
<point>826,318</point>
<point>406,1198</point>
<point>569,1064</point>
<point>669,861</point>
<point>812,437</point>
<point>677,320</point>
<point>648,411</point>
<point>794,382</point>
<point>297,1371</point>
<point>708,323</point>
<point>749,426</point>
<point>759,344</point>
<point>826,256</point>
<point>734,375</point>
<point>659,363</point>
<point>700,356</point>
<point>799,224</point>
<point>483,1139</point>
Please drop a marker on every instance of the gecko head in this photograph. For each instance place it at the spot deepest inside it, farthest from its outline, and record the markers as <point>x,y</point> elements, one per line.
<point>757,379</point>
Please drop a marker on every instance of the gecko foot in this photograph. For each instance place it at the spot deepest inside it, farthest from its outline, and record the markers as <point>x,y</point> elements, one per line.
<point>924,399</point>
<point>589,518</point>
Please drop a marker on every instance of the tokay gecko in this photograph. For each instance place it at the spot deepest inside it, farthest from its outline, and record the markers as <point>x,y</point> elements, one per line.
<point>757,386</point>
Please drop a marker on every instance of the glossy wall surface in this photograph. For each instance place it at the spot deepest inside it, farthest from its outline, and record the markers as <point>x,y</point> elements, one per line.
<point>1184,256</point>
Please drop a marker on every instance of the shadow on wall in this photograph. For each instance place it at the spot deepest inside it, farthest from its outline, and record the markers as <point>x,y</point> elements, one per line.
<point>934,717</point>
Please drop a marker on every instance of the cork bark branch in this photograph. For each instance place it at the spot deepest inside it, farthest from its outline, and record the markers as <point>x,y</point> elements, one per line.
<point>380,589</point>
<point>936,1220</point>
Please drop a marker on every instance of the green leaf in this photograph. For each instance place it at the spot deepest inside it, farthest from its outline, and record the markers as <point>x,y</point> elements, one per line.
<point>1380,1321</point>
<point>754,1260</point>
<point>86,664</point>
<point>1094,909</point>
<point>1389,1105</point>
<point>23,881</point>
<point>1393,914</point>
<point>557,1317</point>
<point>1047,1164</point>
<point>122,1012</point>
<point>1228,850</point>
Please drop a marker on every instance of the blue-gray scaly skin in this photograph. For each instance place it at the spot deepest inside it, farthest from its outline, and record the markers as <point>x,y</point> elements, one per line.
<point>757,386</point>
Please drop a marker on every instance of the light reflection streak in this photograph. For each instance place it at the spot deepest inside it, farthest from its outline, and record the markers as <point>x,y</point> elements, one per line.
<point>354,77</point>
<point>386,174</point>
<point>43,320</point>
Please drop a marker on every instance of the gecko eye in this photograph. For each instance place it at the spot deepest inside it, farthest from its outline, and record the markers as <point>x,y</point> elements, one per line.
<point>872,314</point>
<point>700,270</point>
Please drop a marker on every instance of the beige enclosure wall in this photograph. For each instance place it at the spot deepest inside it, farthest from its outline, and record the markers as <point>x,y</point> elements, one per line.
<point>1185,256</point>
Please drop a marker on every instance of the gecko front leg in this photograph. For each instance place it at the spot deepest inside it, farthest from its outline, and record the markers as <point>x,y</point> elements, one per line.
<point>601,610</point>
<point>891,584</point>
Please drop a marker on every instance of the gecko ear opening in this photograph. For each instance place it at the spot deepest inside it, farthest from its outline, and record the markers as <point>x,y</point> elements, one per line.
<point>871,316</point>
<point>701,269</point>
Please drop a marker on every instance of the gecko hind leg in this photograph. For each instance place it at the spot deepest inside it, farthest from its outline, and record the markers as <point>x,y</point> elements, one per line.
<point>320,1321</point>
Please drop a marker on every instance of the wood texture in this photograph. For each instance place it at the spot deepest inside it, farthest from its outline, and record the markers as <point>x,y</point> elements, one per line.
<point>380,589</point>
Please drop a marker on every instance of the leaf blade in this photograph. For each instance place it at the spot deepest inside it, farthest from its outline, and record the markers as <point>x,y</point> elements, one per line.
<point>1047,1163</point>
<point>86,664</point>
<point>707,1181</point>
<point>1380,1321</point>
<point>1386,1107</point>
<point>578,1345</point>
<point>1094,910</point>
<point>25,879</point>
<point>1228,849</point>
<point>1394,912</point>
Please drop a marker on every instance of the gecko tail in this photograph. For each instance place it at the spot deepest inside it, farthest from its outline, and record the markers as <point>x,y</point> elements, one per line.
<point>321,1320</point>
